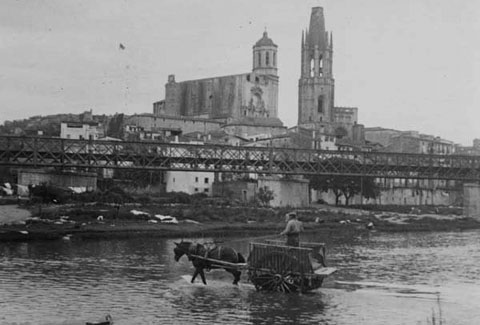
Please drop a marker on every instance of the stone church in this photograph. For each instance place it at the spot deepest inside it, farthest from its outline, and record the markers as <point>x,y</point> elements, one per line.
<point>241,101</point>
<point>316,86</point>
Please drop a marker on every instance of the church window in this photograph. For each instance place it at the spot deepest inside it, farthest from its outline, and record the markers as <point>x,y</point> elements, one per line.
<point>320,104</point>
<point>267,59</point>
<point>259,59</point>
<point>312,68</point>
<point>274,59</point>
<point>320,63</point>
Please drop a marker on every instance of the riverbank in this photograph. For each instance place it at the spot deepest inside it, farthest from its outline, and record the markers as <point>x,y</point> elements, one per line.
<point>47,222</point>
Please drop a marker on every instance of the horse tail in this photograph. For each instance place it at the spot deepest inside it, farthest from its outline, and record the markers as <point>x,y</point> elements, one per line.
<point>241,259</point>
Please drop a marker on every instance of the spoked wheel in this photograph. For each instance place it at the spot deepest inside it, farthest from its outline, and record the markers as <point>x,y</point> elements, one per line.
<point>276,282</point>
<point>274,273</point>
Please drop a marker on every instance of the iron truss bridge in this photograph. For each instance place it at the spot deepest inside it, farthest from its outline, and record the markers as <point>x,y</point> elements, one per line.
<point>40,152</point>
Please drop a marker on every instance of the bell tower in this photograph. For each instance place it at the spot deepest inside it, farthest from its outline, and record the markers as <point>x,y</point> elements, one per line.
<point>316,86</point>
<point>265,56</point>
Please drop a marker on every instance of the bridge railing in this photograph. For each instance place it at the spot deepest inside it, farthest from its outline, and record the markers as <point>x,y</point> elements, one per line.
<point>68,153</point>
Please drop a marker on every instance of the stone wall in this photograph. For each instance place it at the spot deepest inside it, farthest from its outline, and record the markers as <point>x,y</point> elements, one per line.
<point>471,203</point>
<point>187,125</point>
<point>243,191</point>
<point>398,196</point>
<point>60,179</point>
<point>287,192</point>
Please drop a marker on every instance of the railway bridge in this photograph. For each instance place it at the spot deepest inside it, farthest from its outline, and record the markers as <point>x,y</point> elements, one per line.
<point>41,152</point>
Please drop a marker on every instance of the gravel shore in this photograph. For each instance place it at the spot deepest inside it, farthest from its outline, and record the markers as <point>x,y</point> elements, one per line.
<point>84,221</point>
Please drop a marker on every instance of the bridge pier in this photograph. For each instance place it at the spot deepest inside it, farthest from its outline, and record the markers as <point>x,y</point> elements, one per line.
<point>471,200</point>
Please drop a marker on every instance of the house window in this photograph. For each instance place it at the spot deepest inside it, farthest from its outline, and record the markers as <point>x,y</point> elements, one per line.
<point>196,179</point>
<point>206,180</point>
<point>206,190</point>
<point>267,59</point>
<point>174,180</point>
<point>196,189</point>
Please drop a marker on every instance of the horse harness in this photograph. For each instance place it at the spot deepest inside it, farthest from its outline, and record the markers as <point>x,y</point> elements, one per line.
<point>193,250</point>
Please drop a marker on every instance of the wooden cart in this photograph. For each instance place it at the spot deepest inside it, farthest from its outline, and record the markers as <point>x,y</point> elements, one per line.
<point>272,266</point>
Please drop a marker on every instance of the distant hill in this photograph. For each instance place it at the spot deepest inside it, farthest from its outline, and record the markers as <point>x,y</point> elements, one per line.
<point>49,125</point>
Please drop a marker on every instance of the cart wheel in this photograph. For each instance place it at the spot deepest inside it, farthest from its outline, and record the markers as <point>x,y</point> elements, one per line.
<point>274,273</point>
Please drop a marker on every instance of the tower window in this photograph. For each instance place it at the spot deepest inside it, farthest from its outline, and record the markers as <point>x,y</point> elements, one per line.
<point>267,59</point>
<point>274,59</point>
<point>259,59</point>
<point>321,67</point>
<point>320,104</point>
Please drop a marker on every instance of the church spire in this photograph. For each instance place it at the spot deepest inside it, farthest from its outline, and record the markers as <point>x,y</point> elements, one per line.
<point>316,35</point>
<point>316,84</point>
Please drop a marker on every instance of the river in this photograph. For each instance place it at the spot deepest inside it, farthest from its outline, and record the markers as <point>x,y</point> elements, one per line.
<point>382,278</point>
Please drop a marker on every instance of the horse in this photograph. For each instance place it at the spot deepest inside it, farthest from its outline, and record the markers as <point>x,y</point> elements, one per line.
<point>226,254</point>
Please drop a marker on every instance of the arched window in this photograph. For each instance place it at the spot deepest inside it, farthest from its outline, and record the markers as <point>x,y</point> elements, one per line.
<point>321,66</point>
<point>267,59</point>
<point>259,59</point>
<point>320,104</point>
<point>274,59</point>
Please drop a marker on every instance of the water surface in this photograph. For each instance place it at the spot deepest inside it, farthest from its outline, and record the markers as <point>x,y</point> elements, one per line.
<point>382,279</point>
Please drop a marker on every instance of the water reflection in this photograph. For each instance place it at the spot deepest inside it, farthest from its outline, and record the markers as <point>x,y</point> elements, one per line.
<point>382,278</point>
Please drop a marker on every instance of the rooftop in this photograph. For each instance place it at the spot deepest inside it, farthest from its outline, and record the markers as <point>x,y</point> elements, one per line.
<point>265,41</point>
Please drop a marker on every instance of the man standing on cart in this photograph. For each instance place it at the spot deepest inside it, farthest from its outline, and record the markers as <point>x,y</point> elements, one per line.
<point>293,229</point>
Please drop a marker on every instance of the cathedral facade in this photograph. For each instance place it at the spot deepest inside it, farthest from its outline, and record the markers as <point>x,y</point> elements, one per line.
<point>248,95</point>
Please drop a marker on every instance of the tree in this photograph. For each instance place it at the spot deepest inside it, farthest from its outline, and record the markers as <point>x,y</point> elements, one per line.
<point>348,186</point>
<point>115,126</point>
<point>265,195</point>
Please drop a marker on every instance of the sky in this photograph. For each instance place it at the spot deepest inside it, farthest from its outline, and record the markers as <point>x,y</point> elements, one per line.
<point>406,65</point>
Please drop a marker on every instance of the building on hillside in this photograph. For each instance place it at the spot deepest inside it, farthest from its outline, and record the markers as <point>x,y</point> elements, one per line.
<point>189,182</point>
<point>474,150</point>
<point>159,107</point>
<point>169,125</point>
<point>248,127</point>
<point>380,135</point>
<point>81,130</point>
<point>409,141</point>
<point>316,86</point>
<point>420,143</point>
<point>243,105</point>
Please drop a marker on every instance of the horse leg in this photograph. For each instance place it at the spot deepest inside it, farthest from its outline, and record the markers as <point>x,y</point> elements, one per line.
<point>194,275</point>
<point>236,275</point>
<point>202,275</point>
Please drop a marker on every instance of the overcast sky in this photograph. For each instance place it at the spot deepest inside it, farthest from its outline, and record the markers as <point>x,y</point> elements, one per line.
<point>407,65</point>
